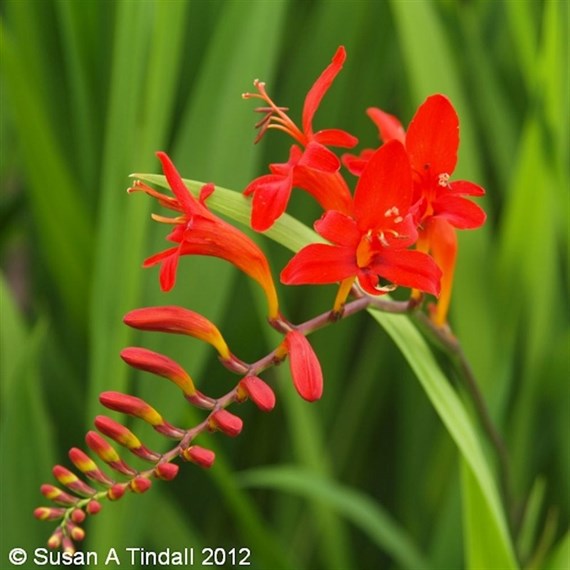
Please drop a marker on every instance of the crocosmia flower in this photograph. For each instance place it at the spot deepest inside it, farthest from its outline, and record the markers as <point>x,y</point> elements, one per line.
<point>440,205</point>
<point>370,245</point>
<point>312,166</point>
<point>197,231</point>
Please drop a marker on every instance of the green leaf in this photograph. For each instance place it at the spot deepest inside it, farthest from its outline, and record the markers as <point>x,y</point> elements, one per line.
<point>459,425</point>
<point>365,513</point>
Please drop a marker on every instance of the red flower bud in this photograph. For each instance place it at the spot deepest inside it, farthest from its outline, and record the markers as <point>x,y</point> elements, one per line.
<point>55,539</point>
<point>88,467</point>
<point>57,495</point>
<point>140,484</point>
<point>124,437</point>
<point>48,513</point>
<point>305,367</point>
<point>93,507</point>
<point>149,361</point>
<point>78,516</point>
<point>117,491</point>
<point>75,532</point>
<point>67,545</point>
<point>107,453</point>
<point>259,392</point>
<point>166,471</point>
<point>138,408</point>
<point>71,481</point>
<point>180,321</point>
<point>199,455</point>
<point>226,422</point>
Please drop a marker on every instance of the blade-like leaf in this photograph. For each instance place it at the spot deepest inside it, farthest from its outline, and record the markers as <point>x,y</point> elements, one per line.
<point>364,512</point>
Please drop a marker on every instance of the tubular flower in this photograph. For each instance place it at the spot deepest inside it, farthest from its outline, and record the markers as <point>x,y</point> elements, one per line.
<point>271,192</point>
<point>197,231</point>
<point>305,167</point>
<point>372,243</point>
<point>440,206</point>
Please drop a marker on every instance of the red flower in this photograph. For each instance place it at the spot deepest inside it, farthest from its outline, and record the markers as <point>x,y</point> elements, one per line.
<point>432,142</point>
<point>271,192</point>
<point>199,232</point>
<point>372,243</point>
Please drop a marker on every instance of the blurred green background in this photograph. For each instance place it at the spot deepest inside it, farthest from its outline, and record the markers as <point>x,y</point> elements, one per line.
<point>368,477</point>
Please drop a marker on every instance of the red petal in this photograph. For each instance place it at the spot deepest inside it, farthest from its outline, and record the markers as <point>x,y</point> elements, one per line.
<point>465,188</point>
<point>408,268</point>
<point>175,182</point>
<point>385,184</point>
<point>320,263</point>
<point>320,87</point>
<point>355,164</point>
<point>270,198</point>
<point>389,127</point>
<point>433,136</point>
<point>338,228</point>
<point>305,367</point>
<point>459,212</point>
<point>335,137</point>
<point>319,157</point>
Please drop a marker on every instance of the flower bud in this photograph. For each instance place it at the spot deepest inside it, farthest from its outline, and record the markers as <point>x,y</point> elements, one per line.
<point>125,437</point>
<point>75,532</point>
<point>166,471</point>
<point>93,507</point>
<point>71,481</point>
<point>177,320</point>
<point>305,367</point>
<point>48,513</point>
<point>67,545</point>
<point>78,516</point>
<point>57,495</point>
<point>140,484</point>
<point>138,408</point>
<point>54,540</point>
<point>149,361</point>
<point>199,455</point>
<point>117,491</point>
<point>259,392</point>
<point>226,422</point>
<point>107,453</point>
<point>88,467</point>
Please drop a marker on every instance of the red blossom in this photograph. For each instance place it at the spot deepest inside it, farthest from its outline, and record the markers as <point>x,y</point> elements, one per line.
<point>312,167</point>
<point>439,204</point>
<point>371,244</point>
<point>199,232</point>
